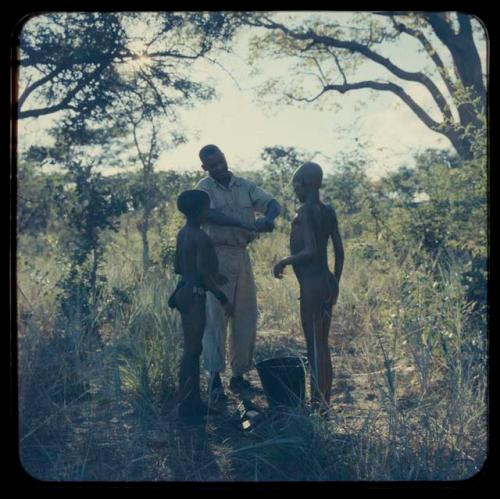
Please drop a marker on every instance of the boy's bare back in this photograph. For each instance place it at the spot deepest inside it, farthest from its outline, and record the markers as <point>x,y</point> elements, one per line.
<point>195,256</point>
<point>196,261</point>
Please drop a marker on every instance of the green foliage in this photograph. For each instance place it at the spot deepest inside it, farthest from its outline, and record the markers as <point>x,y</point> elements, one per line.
<point>88,207</point>
<point>97,339</point>
<point>347,189</point>
<point>35,198</point>
<point>148,345</point>
<point>280,165</point>
<point>449,220</point>
<point>409,328</point>
<point>81,63</point>
<point>328,54</point>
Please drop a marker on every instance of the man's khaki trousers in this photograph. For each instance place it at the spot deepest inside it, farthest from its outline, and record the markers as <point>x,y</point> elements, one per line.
<point>235,264</point>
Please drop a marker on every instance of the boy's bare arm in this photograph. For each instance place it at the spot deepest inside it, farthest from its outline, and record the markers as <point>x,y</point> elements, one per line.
<point>207,266</point>
<point>338,247</point>
<point>310,247</point>
<point>177,268</point>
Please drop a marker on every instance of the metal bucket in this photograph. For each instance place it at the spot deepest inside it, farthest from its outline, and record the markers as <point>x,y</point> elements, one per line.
<point>283,380</point>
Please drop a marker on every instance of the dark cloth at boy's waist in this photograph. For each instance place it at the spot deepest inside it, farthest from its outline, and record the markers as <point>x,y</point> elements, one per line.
<point>197,285</point>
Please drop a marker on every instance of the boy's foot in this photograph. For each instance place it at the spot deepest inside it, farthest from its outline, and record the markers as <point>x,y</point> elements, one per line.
<point>215,388</point>
<point>239,383</point>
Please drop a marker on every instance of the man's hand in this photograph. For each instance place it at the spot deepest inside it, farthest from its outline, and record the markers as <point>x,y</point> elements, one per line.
<point>220,279</point>
<point>264,225</point>
<point>249,226</point>
<point>278,269</point>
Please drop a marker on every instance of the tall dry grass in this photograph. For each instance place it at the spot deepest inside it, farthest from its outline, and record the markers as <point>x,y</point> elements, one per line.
<point>403,338</point>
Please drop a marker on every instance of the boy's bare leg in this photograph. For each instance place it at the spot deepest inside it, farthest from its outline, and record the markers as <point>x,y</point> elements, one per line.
<point>310,323</point>
<point>193,325</point>
<point>316,325</point>
<point>326,375</point>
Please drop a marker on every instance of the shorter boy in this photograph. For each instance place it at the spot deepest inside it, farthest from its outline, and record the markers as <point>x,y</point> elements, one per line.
<point>196,262</point>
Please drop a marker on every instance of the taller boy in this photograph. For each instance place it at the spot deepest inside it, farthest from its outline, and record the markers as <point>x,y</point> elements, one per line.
<point>232,200</point>
<point>313,226</point>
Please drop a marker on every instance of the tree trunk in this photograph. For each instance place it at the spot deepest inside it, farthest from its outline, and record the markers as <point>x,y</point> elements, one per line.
<point>461,143</point>
<point>144,224</point>
<point>145,241</point>
<point>468,71</point>
<point>93,275</point>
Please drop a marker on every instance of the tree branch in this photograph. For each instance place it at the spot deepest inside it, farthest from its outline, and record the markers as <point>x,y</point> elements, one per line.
<point>431,52</point>
<point>65,103</point>
<point>155,91</point>
<point>356,47</point>
<point>153,144</point>
<point>29,89</point>
<point>466,60</point>
<point>217,63</point>
<point>337,62</point>
<point>176,55</point>
<point>385,87</point>
<point>465,25</point>
<point>441,27</point>
<point>322,78</point>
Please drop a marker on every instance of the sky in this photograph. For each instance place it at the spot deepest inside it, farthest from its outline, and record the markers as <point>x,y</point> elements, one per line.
<point>374,125</point>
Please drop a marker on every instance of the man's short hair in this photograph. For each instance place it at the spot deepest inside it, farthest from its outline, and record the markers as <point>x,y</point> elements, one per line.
<point>192,202</point>
<point>208,150</point>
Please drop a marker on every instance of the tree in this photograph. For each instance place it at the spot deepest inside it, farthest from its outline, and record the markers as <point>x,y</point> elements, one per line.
<point>77,62</point>
<point>118,79</point>
<point>149,192</point>
<point>347,189</point>
<point>89,208</point>
<point>35,198</point>
<point>328,51</point>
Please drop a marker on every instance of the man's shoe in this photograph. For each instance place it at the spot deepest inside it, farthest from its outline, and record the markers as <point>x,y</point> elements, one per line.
<point>239,383</point>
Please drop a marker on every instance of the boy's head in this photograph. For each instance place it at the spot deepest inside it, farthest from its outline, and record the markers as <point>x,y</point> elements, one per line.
<point>306,178</point>
<point>214,162</point>
<point>193,204</point>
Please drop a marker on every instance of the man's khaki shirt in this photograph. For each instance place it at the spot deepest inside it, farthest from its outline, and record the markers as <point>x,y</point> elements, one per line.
<point>239,200</point>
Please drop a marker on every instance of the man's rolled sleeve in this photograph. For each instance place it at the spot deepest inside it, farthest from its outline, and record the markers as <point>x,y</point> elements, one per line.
<point>260,198</point>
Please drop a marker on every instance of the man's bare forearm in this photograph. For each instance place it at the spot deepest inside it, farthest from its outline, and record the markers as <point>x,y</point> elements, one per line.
<point>273,209</point>
<point>218,218</point>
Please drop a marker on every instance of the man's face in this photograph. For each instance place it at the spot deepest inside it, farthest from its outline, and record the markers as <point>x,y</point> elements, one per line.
<point>215,164</point>
<point>299,189</point>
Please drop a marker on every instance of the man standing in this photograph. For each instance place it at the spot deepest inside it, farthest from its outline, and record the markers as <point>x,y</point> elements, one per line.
<point>233,202</point>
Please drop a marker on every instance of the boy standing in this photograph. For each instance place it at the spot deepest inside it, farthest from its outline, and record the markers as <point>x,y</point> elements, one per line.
<point>196,262</point>
<point>313,225</point>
